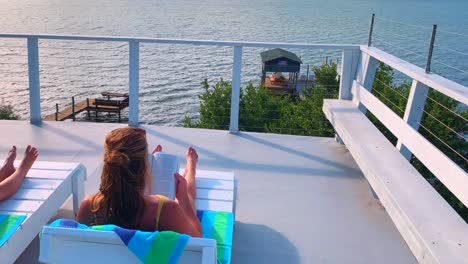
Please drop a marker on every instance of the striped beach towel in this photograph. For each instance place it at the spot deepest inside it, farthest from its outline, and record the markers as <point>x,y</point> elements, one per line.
<point>149,247</point>
<point>218,226</point>
<point>8,225</point>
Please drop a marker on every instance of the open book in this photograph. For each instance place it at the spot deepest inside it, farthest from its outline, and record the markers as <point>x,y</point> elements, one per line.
<point>163,168</point>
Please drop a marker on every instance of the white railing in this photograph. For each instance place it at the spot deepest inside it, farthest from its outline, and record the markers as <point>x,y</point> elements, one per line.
<point>406,130</point>
<point>134,66</point>
<point>359,63</point>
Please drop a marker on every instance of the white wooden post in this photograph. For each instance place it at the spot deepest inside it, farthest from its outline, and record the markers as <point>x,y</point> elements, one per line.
<point>34,85</point>
<point>236,79</point>
<point>367,67</point>
<point>349,60</point>
<point>414,111</point>
<point>134,82</point>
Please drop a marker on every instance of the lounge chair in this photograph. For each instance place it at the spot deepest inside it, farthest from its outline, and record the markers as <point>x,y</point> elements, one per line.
<point>216,195</point>
<point>46,187</point>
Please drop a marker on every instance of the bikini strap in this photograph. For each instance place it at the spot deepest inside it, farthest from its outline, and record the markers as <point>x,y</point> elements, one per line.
<point>161,201</point>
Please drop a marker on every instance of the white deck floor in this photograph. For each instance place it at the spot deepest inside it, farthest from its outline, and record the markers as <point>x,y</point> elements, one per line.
<point>300,199</point>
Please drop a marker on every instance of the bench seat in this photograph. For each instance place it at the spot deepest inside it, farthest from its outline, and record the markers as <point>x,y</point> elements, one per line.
<point>432,229</point>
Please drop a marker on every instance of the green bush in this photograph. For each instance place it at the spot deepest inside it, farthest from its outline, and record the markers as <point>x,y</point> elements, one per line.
<point>7,113</point>
<point>261,112</point>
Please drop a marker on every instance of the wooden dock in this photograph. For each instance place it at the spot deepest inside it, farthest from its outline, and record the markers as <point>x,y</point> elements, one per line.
<point>91,105</point>
<point>67,113</point>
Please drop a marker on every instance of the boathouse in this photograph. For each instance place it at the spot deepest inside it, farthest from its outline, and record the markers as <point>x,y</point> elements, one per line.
<point>277,62</point>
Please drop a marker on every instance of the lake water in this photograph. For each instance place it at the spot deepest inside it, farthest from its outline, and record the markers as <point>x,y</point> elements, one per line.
<point>171,75</point>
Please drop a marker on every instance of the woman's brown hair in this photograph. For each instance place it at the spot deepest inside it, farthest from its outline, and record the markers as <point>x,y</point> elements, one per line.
<point>121,193</point>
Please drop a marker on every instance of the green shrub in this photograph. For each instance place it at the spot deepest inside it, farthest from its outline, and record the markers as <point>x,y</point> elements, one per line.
<point>7,113</point>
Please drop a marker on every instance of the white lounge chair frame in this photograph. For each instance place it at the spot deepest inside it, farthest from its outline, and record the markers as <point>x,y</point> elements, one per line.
<point>75,246</point>
<point>45,189</point>
<point>216,191</point>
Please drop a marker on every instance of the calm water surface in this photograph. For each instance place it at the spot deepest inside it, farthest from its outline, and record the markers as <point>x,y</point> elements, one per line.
<point>171,75</point>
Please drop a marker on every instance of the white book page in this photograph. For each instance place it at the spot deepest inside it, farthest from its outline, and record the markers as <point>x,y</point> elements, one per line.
<point>163,168</point>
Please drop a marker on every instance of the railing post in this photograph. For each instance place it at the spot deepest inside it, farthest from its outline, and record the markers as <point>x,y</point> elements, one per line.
<point>34,85</point>
<point>134,80</point>
<point>236,79</point>
<point>414,111</point>
<point>431,49</point>
<point>369,42</point>
<point>367,67</point>
<point>349,60</point>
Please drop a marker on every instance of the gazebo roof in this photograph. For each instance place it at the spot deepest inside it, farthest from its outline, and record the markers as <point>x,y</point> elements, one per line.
<point>273,54</point>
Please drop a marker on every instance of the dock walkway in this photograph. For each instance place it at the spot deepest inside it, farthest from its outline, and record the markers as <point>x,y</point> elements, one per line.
<point>91,104</point>
<point>68,113</point>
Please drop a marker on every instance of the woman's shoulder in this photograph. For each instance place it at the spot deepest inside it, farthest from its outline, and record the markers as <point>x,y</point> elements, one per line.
<point>88,201</point>
<point>85,215</point>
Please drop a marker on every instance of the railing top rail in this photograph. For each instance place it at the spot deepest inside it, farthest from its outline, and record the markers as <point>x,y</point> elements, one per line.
<point>437,82</point>
<point>187,41</point>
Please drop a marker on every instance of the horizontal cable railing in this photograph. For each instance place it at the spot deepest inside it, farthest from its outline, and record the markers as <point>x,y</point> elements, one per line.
<point>59,62</point>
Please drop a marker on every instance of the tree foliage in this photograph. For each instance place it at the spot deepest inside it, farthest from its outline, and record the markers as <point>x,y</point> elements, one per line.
<point>260,111</point>
<point>7,113</point>
<point>437,118</point>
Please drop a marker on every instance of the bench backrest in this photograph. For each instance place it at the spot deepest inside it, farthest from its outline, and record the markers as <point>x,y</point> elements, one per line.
<point>364,65</point>
<point>432,229</point>
<point>65,245</point>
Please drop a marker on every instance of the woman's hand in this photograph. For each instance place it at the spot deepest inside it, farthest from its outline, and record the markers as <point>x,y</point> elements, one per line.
<point>158,148</point>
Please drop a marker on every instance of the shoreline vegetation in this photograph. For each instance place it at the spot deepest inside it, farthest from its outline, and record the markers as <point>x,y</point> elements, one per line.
<point>7,112</point>
<point>260,111</point>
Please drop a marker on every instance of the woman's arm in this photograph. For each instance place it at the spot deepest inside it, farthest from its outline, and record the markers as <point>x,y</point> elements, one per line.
<point>175,219</point>
<point>183,199</point>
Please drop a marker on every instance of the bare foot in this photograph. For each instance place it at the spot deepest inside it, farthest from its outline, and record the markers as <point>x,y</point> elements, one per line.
<point>30,156</point>
<point>8,168</point>
<point>192,159</point>
<point>189,174</point>
<point>158,148</point>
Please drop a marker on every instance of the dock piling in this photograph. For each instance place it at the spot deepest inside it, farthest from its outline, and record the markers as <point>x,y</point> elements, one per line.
<point>87,109</point>
<point>73,108</point>
<point>56,112</point>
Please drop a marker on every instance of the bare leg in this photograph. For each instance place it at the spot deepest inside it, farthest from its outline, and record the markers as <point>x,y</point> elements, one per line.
<point>8,168</point>
<point>189,174</point>
<point>11,184</point>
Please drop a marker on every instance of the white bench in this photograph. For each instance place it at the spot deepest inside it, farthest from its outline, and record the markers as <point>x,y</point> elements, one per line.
<point>44,190</point>
<point>432,229</point>
<point>216,191</point>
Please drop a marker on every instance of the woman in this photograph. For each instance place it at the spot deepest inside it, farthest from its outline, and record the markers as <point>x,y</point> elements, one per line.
<point>121,199</point>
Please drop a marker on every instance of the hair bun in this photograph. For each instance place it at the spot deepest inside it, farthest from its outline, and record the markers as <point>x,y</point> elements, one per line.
<point>117,158</point>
